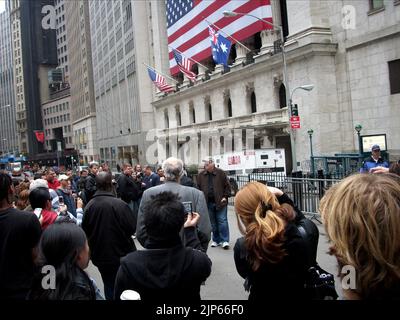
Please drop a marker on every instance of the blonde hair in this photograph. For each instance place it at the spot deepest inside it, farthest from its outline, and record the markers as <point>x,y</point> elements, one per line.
<point>262,220</point>
<point>362,219</point>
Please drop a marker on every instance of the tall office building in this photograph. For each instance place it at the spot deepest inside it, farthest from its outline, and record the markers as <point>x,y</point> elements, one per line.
<point>34,54</point>
<point>8,131</point>
<point>56,111</point>
<point>120,43</point>
<point>83,110</point>
<point>19,83</point>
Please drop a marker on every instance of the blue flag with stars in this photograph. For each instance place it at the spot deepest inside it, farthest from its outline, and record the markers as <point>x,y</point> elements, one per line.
<point>220,47</point>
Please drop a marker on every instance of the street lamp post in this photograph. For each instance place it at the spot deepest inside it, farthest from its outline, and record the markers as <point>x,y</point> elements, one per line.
<point>285,78</point>
<point>310,133</point>
<point>358,128</point>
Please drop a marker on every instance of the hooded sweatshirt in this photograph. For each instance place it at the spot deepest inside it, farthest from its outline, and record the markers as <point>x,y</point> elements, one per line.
<point>166,270</point>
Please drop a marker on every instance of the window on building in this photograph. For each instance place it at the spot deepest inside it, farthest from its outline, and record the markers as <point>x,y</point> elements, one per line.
<point>394,76</point>
<point>178,116</point>
<point>253,102</point>
<point>166,119</point>
<point>284,17</point>
<point>282,96</point>
<point>229,107</point>
<point>375,4</point>
<point>209,107</point>
<point>192,113</point>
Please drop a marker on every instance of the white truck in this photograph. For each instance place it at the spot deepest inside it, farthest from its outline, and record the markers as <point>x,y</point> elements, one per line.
<point>252,161</point>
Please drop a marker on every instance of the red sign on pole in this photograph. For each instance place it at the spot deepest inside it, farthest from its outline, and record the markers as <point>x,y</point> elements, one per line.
<point>295,122</point>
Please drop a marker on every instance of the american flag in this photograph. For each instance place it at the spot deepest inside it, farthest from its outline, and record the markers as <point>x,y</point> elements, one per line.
<point>160,81</point>
<point>188,30</point>
<point>185,65</point>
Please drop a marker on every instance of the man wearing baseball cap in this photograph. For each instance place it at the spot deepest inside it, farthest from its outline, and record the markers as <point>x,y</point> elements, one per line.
<point>374,162</point>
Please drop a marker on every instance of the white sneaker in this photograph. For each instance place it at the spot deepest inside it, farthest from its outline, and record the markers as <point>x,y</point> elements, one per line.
<point>214,244</point>
<point>225,245</point>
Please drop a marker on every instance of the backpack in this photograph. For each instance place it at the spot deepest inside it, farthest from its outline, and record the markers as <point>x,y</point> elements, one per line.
<point>319,283</point>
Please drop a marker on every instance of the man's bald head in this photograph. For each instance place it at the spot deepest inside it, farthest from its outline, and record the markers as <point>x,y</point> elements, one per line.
<point>104,181</point>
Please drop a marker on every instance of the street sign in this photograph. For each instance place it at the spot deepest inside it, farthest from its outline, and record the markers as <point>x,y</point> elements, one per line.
<point>295,122</point>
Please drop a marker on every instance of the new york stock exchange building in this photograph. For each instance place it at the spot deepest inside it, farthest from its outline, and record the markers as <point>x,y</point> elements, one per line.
<point>345,57</point>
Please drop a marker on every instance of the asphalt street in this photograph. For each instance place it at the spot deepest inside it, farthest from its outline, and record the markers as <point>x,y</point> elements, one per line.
<point>224,282</point>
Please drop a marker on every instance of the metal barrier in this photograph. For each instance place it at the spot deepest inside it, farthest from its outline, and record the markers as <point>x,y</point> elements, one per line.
<point>305,192</point>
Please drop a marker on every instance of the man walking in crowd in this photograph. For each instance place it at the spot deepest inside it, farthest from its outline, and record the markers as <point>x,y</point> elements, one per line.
<point>65,192</point>
<point>173,170</point>
<point>109,225</point>
<point>160,173</point>
<point>52,180</point>
<point>128,189</point>
<point>19,235</point>
<point>150,178</point>
<point>215,186</point>
<point>167,269</point>
<point>90,182</point>
<point>374,162</point>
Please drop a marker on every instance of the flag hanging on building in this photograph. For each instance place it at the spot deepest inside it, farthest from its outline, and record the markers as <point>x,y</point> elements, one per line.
<point>184,65</point>
<point>220,47</point>
<point>39,136</point>
<point>188,30</point>
<point>160,81</point>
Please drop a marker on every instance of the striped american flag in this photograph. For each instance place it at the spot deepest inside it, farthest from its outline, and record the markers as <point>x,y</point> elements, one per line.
<point>184,65</point>
<point>188,30</point>
<point>160,81</point>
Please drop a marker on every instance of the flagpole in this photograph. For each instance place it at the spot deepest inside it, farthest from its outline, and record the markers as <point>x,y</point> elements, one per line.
<point>240,43</point>
<point>161,73</point>
<point>195,61</point>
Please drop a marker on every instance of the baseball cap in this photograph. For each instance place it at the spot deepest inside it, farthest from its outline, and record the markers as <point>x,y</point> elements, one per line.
<point>63,177</point>
<point>375,147</point>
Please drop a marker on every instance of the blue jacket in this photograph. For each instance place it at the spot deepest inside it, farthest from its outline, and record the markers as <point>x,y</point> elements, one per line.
<point>370,163</point>
<point>151,181</point>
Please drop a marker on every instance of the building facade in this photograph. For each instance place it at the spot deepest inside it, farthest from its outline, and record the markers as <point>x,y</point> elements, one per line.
<point>56,116</point>
<point>34,54</point>
<point>8,131</point>
<point>56,111</point>
<point>19,82</point>
<point>353,68</point>
<point>120,44</point>
<point>83,109</point>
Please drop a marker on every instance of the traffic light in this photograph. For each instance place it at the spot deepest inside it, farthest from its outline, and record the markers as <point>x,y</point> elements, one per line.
<point>295,110</point>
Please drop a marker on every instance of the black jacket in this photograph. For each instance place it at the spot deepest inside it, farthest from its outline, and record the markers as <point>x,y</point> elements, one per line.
<point>109,225</point>
<point>284,280</point>
<point>186,181</point>
<point>90,187</point>
<point>81,288</point>
<point>165,271</point>
<point>128,189</point>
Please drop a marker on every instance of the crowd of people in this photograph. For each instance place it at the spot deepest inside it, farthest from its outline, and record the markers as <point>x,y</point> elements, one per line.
<point>66,220</point>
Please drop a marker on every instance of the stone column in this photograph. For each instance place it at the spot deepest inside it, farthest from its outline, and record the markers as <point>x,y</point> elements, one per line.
<point>267,40</point>
<point>240,54</point>
<point>202,72</point>
<point>218,69</point>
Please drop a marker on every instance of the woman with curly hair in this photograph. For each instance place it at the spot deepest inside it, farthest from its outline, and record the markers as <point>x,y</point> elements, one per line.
<point>362,220</point>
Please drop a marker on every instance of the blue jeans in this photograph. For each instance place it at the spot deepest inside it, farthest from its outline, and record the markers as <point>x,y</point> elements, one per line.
<point>219,223</point>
